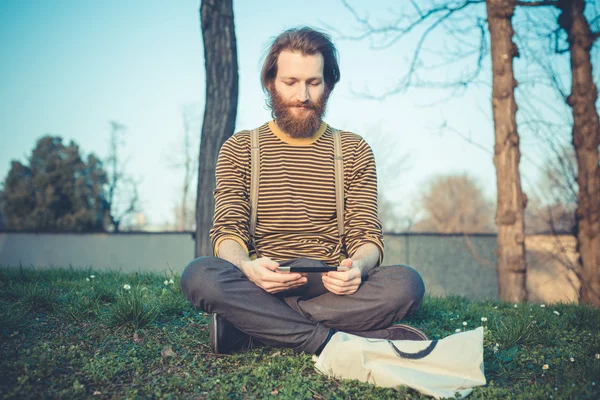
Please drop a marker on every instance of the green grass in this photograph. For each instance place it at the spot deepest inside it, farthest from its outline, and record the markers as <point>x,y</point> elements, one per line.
<point>64,334</point>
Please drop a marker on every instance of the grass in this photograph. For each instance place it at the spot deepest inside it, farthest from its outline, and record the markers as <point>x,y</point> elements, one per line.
<point>64,334</point>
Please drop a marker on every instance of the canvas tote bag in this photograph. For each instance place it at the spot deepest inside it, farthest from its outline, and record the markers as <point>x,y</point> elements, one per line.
<point>438,368</point>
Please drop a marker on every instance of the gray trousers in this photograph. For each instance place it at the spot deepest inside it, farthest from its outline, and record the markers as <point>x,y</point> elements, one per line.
<point>301,318</point>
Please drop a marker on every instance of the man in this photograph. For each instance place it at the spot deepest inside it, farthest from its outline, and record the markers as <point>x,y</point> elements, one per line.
<point>297,223</point>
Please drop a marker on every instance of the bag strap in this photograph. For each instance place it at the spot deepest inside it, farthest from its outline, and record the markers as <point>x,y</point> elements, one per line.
<point>254,176</point>
<point>338,160</point>
<point>339,180</point>
<point>414,356</point>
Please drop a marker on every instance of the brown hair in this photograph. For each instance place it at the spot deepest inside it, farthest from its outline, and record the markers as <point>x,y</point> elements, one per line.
<point>306,41</point>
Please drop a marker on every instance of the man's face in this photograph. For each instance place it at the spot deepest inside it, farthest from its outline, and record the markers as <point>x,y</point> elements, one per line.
<point>298,93</point>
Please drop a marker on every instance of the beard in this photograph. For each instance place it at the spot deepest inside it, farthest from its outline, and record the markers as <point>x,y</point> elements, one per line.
<point>298,120</point>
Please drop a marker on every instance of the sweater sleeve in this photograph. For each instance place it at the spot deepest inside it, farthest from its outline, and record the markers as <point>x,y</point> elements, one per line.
<point>232,204</point>
<point>361,220</point>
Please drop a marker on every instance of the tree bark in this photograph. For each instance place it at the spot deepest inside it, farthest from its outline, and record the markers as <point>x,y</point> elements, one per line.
<point>512,269</point>
<point>586,138</point>
<point>220,52</point>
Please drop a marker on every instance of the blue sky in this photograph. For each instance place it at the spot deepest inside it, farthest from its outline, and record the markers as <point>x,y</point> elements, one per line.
<point>69,67</point>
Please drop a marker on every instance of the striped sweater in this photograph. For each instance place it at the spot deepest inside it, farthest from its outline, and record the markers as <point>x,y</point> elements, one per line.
<point>296,201</point>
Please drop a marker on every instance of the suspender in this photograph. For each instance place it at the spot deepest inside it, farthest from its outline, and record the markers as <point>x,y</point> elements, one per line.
<point>254,166</point>
<point>339,180</point>
<point>338,160</point>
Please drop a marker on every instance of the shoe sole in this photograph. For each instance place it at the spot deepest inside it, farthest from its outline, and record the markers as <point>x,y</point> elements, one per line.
<point>214,333</point>
<point>414,330</point>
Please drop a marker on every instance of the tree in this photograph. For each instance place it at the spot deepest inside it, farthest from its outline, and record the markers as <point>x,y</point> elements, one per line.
<point>122,192</point>
<point>454,204</point>
<point>555,211</point>
<point>220,54</point>
<point>511,202</point>
<point>586,139</point>
<point>183,158</point>
<point>2,223</point>
<point>468,30</point>
<point>56,191</point>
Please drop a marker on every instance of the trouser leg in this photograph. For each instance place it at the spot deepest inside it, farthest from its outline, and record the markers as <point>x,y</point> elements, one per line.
<point>387,295</point>
<point>217,286</point>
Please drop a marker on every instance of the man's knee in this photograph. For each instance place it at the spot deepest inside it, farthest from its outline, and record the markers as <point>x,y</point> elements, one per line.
<point>199,280</point>
<point>405,286</point>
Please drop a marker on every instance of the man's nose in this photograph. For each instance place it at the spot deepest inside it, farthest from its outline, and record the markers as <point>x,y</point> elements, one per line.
<point>302,93</point>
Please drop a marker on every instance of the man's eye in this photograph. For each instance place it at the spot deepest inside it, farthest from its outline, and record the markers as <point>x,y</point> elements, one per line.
<point>289,83</point>
<point>315,83</point>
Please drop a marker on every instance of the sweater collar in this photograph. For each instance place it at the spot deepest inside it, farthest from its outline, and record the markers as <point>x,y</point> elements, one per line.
<point>297,141</point>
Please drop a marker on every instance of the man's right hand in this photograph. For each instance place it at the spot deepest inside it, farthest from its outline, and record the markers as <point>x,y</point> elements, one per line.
<point>262,272</point>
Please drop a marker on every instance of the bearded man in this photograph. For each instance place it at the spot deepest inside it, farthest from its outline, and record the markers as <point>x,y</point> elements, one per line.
<point>297,223</point>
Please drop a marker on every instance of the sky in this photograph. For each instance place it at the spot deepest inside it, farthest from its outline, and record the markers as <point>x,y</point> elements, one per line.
<point>69,67</point>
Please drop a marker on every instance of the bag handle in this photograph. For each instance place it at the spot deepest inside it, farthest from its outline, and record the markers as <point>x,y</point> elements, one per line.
<point>414,356</point>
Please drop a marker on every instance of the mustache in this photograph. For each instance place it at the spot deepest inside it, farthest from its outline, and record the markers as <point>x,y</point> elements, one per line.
<point>309,105</point>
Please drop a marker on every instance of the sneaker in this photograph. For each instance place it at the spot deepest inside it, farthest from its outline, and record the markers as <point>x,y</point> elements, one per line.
<point>226,338</point>
<point>394,332</point>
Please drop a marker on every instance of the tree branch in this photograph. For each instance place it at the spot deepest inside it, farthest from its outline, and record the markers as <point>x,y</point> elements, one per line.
<point>553,3</point>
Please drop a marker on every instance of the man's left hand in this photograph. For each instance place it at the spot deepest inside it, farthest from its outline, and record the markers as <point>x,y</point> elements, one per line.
<point>343,282</point>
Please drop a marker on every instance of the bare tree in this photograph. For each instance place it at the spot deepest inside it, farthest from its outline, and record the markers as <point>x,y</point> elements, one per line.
<point>454,204</point>
<point>586,139</point>
<point>183,159</point>
<point>122,193</point>
<point>469,29</point>
<point>220,53</point>
<point>511,200</point>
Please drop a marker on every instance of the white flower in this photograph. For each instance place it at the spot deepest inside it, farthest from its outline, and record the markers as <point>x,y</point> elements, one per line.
<point>483,319</point>
<point>597,356</point>
<point>171,281</point>
<point>556,312</point>
<point>464,323</point>
<point>92,276</point>
<point>496,307</point>
<point>516,306</point>
<point>126,287</point>
<point>572,359</point>
<point>166,282</point>
<point>457,330</point>
<point>87,279</point>
<point>542,305</point>
<point>545,366</point>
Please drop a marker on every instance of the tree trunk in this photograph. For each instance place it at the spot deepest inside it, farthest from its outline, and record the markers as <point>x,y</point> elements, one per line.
<point>220,53</point>
<point>512,269</point>
<point>586,138</point>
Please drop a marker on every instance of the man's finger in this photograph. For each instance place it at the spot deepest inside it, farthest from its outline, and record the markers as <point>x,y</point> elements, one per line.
<point>279,288</point>
<point>340,282</point>
<point>281,277</point>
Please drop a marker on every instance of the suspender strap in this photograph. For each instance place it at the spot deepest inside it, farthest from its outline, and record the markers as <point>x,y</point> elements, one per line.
<point>254,167</point>
<point>339,180</point>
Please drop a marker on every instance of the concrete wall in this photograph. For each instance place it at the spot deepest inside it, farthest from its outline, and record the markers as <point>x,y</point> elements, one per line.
<point>449,264</point>
<point>128,252</point>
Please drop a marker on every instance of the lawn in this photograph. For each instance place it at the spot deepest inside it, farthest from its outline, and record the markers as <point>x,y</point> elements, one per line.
<point>76,334</point>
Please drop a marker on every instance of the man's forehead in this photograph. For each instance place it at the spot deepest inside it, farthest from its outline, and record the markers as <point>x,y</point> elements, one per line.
<point>294,64</point>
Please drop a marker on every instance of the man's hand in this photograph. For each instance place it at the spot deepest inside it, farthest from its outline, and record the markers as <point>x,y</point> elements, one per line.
<point>343,282</point>
<point>262,272</point>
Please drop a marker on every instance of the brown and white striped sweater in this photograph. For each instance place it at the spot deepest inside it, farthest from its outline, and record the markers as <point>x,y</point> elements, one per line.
<point>296,201</point>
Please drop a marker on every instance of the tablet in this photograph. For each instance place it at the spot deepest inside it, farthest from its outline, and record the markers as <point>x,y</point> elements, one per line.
<point>311,269</point>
